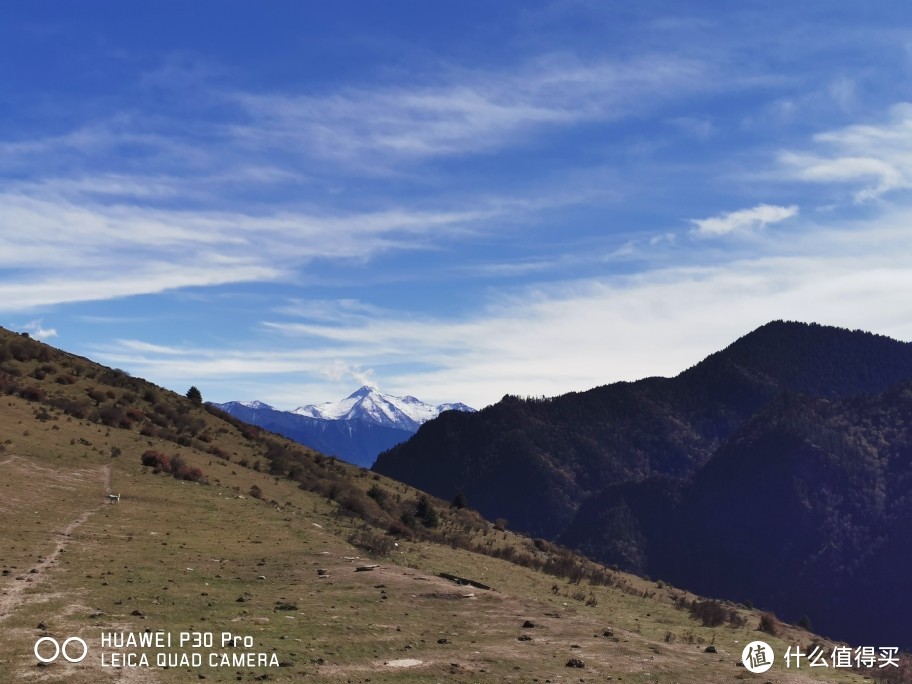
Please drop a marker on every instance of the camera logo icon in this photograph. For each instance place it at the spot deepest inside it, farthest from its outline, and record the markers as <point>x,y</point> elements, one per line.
<point>59,650</point>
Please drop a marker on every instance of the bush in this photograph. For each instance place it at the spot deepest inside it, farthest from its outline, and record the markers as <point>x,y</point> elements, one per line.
<point>251,432</point>
<point>768,624</point>
<point>114,416</point>
<point>32,394</point>
<point>372,542</point>
<point>408,519</point>
<point>194,395</point>
<point>425,512</point>
<point>459,501</point>
<point>377,494</point>
<point>135,414</point>
<point>157,461</point>
<point>710,613</point>
<point>256,492</point>
<point>96,395</point>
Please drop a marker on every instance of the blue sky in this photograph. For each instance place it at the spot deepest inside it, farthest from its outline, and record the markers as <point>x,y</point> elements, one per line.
<point>283,201</point>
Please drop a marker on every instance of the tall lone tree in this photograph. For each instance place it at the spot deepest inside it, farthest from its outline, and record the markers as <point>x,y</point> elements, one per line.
<point>194,395</point>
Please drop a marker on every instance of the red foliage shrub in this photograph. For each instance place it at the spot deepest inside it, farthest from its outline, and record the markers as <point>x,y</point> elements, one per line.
<point>251,432</point>
<point>175,465</point>
<point>135,414</point>
<point>156,460</point>
<point>114,416</point>
<point>32,394</point>
<point>218,452</point>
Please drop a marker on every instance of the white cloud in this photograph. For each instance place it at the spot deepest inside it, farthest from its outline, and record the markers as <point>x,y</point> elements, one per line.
<point>465,112</point>
<point>742,221</point>
<point>37,329</point>
<point>87,250</point>
<point>339,371</point>
<point>876,157</point>
<point>571,336</point>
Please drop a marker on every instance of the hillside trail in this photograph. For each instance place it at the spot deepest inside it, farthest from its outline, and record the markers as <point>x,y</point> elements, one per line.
<point>14,594</point>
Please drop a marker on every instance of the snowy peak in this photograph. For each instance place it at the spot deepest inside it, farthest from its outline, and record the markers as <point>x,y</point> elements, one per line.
<point>363,392</point>
<point>255,404</point>
<point>372,405</point>
<point>458,406</point>
<point>356,428</point>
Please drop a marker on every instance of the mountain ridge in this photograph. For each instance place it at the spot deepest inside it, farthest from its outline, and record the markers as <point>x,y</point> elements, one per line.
<point>578,443</point>
<point>643,474</point>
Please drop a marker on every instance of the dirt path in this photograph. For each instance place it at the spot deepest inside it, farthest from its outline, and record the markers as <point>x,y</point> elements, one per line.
<point>15,593</point>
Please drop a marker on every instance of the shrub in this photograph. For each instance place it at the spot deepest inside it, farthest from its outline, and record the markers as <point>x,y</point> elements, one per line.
<point>256,492</point>
<point>96,395</point>
<point>356,502</point>
<point>736,620</point>
<point>710,613</point>
<point>425,512</point>
<point>157,461</point>
<point>459,501</point>
<point>78,408</point>
<point>194,395</point>
<point>32,394</point>
<point>400,529</point>
<point>768,624</point>
<point>218,452</point>
<point>191,474</point>
<point>251,432</point>
<point>135,414</point>
<point>114,416</point>
<point>377,494</point>
<point>408,519</point>
<point>372,542</point>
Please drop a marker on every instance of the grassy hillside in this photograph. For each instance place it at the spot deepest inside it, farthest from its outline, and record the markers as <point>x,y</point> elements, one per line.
<point>198,552</point>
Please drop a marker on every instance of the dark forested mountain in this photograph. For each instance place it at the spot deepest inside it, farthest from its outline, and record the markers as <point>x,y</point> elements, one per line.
<point>556,452</point>
<point>776,470</point>
<point>806,510</point>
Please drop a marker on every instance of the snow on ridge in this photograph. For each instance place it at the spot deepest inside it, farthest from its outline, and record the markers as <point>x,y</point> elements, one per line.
<point>384,409</point>
<point>255,404</point>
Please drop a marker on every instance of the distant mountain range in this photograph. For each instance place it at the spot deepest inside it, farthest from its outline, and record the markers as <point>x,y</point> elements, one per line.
<point>354,429</point>
<point>778,470</point>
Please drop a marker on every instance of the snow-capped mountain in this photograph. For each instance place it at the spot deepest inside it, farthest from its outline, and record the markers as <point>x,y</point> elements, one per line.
<point>254,404</point>
<point>372,405</point>
<point>355,429</point>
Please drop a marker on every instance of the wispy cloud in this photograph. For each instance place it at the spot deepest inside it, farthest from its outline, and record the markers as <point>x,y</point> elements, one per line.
<point>339,371</point>
<point>37,329</point>
<point>876,157</point>
<point>570,335</point>
<point>743,220</point>
<point>466,112</point>
<point>88,250</point>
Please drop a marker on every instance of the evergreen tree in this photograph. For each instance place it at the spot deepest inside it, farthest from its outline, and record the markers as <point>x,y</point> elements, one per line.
<point>194,395</point>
